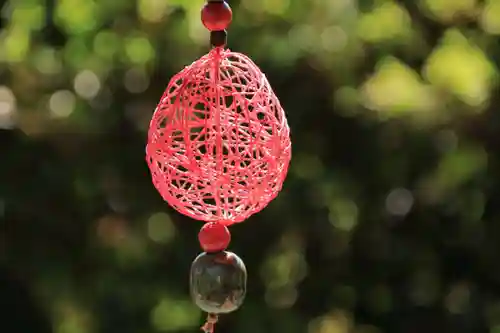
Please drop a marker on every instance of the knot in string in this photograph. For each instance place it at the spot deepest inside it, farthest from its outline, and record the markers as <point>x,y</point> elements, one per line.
<point>210,323</point>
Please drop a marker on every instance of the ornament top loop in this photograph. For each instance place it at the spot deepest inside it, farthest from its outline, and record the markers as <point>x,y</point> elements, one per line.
<point>218,38</point>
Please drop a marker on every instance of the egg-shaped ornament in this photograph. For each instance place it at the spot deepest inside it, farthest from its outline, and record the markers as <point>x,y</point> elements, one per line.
<point>218,150</point>
<point>219,142</point>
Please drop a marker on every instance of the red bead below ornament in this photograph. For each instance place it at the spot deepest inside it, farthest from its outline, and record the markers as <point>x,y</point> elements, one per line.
<point>214,237</point>
<point>216,15</point>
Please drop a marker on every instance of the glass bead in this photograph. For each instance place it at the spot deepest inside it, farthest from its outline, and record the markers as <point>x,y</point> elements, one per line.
<point>218,282</point>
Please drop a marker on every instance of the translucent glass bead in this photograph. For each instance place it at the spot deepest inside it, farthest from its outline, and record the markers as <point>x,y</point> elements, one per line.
<point>218,282</point>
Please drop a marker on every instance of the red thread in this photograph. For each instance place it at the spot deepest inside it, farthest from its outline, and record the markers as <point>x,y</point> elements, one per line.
<point>209,325</point>
<point>219,142</point>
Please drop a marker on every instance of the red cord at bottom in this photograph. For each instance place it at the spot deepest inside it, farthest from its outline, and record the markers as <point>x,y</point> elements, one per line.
<point>210,323</point>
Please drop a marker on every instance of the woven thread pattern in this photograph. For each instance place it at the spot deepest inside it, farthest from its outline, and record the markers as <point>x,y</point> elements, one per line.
<point>219,142</point>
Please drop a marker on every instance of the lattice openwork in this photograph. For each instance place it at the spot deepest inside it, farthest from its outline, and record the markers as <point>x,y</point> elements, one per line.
<point>219,142</point>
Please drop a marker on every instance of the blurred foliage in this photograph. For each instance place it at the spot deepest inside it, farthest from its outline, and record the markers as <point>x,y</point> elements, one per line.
<point>389,219</point>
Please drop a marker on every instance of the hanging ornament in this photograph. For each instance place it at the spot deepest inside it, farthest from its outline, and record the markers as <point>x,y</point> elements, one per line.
<point>218,151</point>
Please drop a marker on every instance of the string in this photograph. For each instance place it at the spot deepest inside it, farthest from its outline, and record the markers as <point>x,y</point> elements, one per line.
<point>209,325</point>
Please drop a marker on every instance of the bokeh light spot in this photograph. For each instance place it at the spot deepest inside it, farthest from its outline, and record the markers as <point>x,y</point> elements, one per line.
<point>458,299</point>
<point>16,44</point>
<point>152,10</point>
<point>461,68</point>
<point>62,103</point>
<point>334,39</point>
<point>449,10</point>
<point>490,17</point>
<point>47,61</point>
<point>396,89</point>
<point>173,315</point>
<point>87,84</point>
<point>336,322</point>
<point>399,202</point>
<point>343,214</point>
<point>136,81</point>
<point>106,44</point>
<point>139,50</point>
<point>8,110</point>
<point>281,298</point>
<point>389,21</point>
<point>161,228</point>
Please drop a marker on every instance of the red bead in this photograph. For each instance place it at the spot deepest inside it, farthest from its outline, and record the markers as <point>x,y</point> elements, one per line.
<point>216,15</point>
<point>214,237</point>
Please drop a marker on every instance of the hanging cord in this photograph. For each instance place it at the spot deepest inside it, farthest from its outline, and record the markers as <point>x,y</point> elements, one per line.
<point>210,323</point>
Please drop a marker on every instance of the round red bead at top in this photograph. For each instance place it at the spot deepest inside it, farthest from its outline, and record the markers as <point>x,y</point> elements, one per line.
<point>214,237</point>
<point>216,15</point>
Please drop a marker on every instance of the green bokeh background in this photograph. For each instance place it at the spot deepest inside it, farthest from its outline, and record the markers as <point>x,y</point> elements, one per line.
<point>389,218</point>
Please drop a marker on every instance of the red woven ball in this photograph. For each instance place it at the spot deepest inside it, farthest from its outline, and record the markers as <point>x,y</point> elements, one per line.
<point>219,142</point>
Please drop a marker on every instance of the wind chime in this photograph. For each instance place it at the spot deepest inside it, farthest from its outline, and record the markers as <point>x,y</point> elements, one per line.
<point>218,151</point>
